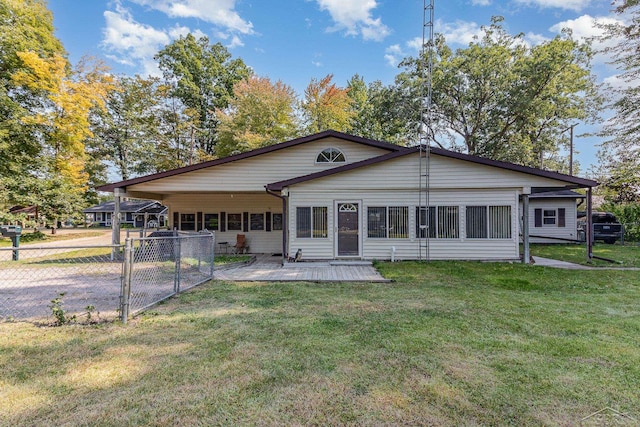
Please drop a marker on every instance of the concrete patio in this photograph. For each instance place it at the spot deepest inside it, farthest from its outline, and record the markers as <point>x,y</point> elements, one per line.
<point>268,268</point>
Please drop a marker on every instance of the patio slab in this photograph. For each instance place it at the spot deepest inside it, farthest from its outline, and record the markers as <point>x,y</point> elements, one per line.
<point>268,268</point>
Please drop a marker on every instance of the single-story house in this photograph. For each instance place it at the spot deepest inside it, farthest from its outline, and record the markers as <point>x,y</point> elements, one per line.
<point>136,213</point>
<point>553,216</point>
<point>337,196</point>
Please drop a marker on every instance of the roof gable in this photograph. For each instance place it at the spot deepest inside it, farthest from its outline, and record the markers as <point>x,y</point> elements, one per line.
<point>573,181</point>
<point>253,153</point>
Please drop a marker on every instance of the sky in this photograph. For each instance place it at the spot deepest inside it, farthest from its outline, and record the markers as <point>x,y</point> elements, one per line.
<point>298,40</point>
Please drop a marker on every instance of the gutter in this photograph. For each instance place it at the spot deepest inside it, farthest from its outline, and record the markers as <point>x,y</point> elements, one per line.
<point>285,224</point>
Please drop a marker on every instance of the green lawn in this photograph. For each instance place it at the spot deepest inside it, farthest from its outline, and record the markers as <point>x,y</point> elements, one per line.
<point>450,343</point>
<point>625,255</point>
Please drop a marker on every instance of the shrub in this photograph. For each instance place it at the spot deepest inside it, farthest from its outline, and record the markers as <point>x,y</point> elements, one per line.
<point>33,237</point>
<point>629,215</point>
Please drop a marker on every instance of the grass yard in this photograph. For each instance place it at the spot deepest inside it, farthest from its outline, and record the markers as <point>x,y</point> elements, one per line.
<point>625,255</point>
<point>450,343</point>
<point>67,235</point>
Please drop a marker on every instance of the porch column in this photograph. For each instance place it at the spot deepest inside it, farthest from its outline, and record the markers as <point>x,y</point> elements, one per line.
<point>525,229</point>
<point>589,230</point>
<point>115,217</point>
<point>285,229</point>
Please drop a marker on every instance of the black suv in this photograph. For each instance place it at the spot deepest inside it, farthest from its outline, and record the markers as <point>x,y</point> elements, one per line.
<point>605,226</point>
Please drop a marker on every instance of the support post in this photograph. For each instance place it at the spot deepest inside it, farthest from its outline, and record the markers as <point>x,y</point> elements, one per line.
<point>526,255</point>
<point>589,230</point>
<point>125,289</point>
<point>115,221</point>
<point>177,251</point>
<point>285,228</point>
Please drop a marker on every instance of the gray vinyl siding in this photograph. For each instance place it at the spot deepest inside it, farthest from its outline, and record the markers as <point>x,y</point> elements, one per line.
<point>252,174</point>
<point>569,231</point>
<point>446,173</point>
<point>259,241</point>
<point>381,248</point>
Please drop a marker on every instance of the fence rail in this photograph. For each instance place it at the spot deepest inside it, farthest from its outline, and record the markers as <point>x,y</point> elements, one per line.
<point>104,282</point>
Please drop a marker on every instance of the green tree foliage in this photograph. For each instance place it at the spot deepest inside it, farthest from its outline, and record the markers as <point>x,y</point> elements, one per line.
<point>127,131</point>
<point>502,99</point>
<point>620,154</point>
<point>261,113</point>
<point>202,77</point>
<point>25,26</point>
<point>380,112</point>
<point>327,106</point>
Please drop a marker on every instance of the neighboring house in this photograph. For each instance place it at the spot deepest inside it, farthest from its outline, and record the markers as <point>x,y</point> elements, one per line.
<point>30,212</point>
<point>553,216</point>
<point>338,196</point>
<point>132,212</point>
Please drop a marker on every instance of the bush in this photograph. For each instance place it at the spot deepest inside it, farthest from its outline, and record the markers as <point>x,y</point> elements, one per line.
<point>627,214</point>
<point>32,237</point>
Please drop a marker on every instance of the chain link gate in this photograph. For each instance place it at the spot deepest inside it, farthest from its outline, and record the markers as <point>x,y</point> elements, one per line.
<point>156,268</point>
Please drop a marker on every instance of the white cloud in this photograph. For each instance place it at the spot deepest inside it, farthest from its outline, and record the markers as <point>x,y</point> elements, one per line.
<point>575,5</point>
<point>459,32</point>
<point>533,39</point>
<point>586,27</point>
<point>218,12</point>
<point>393,55</point>
<point>316,63</point>
<point>480,2</point>
<point>130,42</point>
<point>354,17</point>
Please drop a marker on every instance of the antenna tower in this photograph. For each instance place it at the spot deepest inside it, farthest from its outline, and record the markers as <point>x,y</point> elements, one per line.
<point>426,70</point>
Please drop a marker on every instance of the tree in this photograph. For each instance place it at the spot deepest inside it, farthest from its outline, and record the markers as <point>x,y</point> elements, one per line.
<point>380,112</point>
<point>620,153</point>
<point>326,106</point>
<point>25,25</point>
<point>202,77</point>
<point>501,99</point>
<point>127,131</point>
<point>260,114</point>
<point>61,118</point>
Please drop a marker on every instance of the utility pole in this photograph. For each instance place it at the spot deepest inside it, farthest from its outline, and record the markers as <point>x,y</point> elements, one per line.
<point>570,128</point>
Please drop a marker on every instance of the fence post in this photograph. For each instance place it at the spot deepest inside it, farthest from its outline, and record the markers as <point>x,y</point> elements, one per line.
<point>178,255</point>
<point>125,291</point>
<point>213,252</point>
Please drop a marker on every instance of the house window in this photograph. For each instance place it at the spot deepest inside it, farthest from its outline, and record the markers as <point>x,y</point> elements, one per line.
<point>311,222</point>
<point>234,222</point>
<point>330,155</point>
<point>276,219</point>
<point>188,222</point>
<point>388,222</point>
<point>211,222</point>
<point>256,222</point>
<point>443,222</point>
<point>492,222</point>
<point>550,217</point>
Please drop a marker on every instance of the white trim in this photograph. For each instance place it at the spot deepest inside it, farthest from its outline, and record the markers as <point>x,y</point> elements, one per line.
<point>315,159</point>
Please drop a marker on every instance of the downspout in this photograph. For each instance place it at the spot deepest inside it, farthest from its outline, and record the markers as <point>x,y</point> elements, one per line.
<point>285,223</point>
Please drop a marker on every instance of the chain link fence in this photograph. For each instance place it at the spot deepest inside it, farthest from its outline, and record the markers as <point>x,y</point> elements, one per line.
<point>101,282</point>
<point>157,268</point>
<point>84,279</point>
